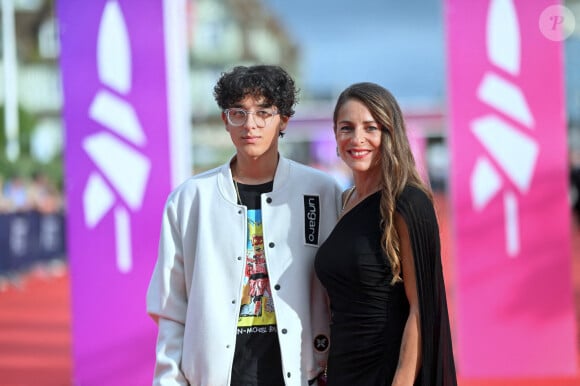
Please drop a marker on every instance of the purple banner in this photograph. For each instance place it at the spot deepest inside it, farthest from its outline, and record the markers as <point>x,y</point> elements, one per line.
<point>123,121</point>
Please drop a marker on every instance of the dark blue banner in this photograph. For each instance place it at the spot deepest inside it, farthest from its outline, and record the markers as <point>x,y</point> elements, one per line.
<point>29,238</point>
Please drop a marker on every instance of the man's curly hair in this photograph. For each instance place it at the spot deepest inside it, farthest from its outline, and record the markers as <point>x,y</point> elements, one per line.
<point>268,81</point>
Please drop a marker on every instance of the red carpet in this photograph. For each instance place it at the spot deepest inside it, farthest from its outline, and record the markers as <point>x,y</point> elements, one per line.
<point>35,327</point>
<point>35,333</point>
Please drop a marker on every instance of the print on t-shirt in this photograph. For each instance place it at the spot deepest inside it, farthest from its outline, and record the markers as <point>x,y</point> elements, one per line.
<point>257,307</point>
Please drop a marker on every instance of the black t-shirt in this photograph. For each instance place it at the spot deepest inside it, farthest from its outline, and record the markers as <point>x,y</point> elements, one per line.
<point>257,359</point>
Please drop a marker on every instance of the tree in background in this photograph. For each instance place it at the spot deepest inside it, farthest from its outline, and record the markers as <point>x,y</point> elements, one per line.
<point>27,165</point>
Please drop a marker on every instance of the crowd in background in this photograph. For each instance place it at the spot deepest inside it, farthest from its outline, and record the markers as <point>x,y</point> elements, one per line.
<point>37,200</point>
<point>31,229</point>
<point>19,193</point>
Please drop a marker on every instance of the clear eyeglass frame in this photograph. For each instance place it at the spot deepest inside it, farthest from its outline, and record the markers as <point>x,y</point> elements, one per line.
<point>238,116</point>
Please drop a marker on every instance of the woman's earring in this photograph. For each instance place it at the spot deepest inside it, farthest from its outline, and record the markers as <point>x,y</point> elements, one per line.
<point>337,153</point>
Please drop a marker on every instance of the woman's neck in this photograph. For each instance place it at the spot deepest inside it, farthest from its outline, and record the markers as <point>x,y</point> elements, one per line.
<point>366,184</point>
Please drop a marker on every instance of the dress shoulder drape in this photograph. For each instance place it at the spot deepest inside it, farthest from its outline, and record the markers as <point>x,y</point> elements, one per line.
<point>437,362</point>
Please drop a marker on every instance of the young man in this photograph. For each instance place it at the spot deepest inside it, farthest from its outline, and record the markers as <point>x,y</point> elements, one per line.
<point>234,291</point>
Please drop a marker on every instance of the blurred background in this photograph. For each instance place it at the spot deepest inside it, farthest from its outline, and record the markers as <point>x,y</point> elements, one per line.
<point>325,44</point>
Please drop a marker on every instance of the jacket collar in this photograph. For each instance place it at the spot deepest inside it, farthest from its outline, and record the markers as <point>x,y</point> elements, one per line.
<point>226,184</point>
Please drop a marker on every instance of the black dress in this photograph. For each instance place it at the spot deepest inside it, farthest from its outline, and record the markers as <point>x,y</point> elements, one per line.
<point>368,313</point>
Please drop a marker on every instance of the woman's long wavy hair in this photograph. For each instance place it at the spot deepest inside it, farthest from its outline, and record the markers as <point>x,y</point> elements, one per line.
<point>398,164</point>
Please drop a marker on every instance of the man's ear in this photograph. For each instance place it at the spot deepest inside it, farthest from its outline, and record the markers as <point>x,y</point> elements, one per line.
<point>283,122</point>
<point>225,120</point>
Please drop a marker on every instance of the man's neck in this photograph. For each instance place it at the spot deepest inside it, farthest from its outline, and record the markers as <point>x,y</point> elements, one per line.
<point>254,171</point>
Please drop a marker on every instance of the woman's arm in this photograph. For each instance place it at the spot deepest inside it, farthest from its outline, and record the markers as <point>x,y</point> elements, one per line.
<point>410,353</point>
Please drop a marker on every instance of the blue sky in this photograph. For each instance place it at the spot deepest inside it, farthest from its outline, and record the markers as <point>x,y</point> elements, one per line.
<point>397,44</point>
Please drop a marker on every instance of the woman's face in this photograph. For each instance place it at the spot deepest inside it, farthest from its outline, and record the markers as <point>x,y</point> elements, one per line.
<point>358,137</point>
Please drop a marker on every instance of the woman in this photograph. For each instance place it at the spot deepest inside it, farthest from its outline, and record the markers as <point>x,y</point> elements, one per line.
<point>381,265</point>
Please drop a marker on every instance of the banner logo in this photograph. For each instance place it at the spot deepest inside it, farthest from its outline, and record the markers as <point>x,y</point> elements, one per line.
<point>512,151</point>
<point>121,167</point>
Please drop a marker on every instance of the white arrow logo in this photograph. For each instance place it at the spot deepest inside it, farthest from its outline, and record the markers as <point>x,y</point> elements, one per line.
<point>120,166</point>
<point>513,151</point>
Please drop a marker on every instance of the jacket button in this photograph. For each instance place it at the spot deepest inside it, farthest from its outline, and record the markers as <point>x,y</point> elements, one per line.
<point>271,245</point>
<point>269,200</point>
<point>234,301</point>
<point>277,287</point>
<point>239,257</point>
<point>240,211</point>
<point>288,374</point>
<point>284,331</point>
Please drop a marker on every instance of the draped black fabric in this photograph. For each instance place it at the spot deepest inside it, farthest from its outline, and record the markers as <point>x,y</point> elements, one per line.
<point>437,363</point>
<point>368,313</point>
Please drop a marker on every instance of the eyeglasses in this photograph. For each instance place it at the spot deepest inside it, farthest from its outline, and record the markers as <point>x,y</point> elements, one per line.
<point>237,117</point>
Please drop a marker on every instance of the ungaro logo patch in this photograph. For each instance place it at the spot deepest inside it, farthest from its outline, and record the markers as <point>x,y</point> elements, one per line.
<point>311,219</point>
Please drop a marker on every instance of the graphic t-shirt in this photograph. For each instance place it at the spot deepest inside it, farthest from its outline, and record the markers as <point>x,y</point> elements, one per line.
<point>257,358</point>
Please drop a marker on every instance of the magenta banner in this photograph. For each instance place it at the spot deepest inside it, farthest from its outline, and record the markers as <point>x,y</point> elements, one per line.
<point>123,67</point>
<point>509,187</point>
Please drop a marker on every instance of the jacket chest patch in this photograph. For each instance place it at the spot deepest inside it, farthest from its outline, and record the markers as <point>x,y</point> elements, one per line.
<point>311,219</point>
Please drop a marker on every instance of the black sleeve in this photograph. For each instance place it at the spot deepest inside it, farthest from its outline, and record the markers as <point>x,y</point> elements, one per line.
<point>437,363</point>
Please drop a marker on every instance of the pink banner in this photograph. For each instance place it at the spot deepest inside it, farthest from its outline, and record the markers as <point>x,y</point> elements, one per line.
<point>126,147</point>
<point>418,144</point>
<point>509,188</point>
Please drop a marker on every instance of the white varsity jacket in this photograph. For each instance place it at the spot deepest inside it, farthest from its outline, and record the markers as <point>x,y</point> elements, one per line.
<point>195,289</point>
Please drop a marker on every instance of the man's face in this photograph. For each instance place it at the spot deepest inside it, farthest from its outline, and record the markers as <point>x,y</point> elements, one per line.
<point>254,127</point>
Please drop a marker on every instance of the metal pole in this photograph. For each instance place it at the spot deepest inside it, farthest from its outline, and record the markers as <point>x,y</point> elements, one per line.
<point>10,82</point>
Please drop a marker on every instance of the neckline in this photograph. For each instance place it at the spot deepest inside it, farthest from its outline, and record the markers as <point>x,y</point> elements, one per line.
<point>251,187</point>
<point>358,204</point>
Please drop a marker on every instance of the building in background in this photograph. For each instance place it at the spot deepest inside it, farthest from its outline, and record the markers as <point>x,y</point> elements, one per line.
<point>223,33</point>
<point>38,84</point>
